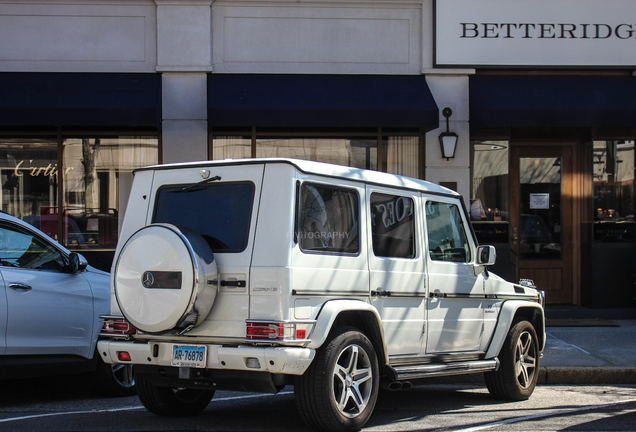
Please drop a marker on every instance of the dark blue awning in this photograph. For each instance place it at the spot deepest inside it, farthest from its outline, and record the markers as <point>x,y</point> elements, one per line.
<point>80,99</point>
<point>320,101</point>
<point>552,101</point>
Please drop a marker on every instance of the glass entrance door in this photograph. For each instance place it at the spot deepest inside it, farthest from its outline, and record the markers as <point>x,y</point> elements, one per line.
<point>542,218</point>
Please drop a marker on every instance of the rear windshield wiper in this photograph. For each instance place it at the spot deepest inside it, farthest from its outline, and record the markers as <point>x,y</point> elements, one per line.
<point>193,187</point>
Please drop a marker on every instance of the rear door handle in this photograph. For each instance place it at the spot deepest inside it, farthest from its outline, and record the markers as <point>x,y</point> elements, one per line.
<point>233,283</point>
<point>19,287</point>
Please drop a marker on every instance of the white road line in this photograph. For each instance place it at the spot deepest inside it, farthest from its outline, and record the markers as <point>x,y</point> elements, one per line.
<point>123,409</point>
<point>569,344</point>
<point>542,415</point>
<point>68,413</point>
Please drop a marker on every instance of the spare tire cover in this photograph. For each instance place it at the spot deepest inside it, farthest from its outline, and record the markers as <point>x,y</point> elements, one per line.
<point>165,278</point>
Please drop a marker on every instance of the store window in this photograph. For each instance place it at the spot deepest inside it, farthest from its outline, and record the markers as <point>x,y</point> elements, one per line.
<point>401,155</point>
<point>231,147</point>
<point>489,205</point>
<point>97,178</point>
<point>29,176</point>
<point>613,170</point>
<point>396,153</point>
<point>353,152</point>
<point>96,175</point>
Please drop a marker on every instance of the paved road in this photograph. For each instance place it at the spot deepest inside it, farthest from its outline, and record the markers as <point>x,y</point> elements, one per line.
<point>71,404</point>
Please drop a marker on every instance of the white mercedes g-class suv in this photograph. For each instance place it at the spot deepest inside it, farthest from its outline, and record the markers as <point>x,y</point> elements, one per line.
<point>256,274</point>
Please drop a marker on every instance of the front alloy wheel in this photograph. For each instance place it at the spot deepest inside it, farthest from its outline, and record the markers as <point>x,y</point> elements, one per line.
<point>519,370</point>
<point>525,360</point>
<point>339,390</point>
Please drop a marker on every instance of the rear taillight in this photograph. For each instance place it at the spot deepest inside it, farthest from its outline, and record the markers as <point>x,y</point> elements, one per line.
<point>273,331</point>
<point>264,331</point>
<point>116,326</point>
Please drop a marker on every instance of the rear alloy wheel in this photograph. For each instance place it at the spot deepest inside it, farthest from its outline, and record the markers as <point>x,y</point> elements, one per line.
<point>339,390</point>
<point>519,371</point>
<point>115,380</point>
<point>170,402</point>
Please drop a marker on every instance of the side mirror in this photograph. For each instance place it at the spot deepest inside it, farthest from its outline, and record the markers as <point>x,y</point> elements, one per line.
<point>76,263</point>
<point>486,255</point>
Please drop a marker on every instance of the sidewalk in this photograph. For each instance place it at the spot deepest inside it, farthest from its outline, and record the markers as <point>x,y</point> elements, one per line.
<point>590,354</point>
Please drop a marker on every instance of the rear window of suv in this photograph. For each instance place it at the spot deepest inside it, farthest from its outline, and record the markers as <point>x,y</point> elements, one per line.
<point>220,212</point>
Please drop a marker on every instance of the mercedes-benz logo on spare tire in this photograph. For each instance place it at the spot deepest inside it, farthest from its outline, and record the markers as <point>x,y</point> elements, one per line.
<point>147,279</point>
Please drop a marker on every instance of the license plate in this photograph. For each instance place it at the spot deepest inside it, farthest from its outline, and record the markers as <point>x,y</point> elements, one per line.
<point>189,355</point>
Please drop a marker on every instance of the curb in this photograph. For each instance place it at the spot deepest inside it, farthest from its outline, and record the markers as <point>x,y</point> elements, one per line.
<point>587,375</point>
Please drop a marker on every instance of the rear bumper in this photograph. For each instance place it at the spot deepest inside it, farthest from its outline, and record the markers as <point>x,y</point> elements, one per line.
<point>276,360</point>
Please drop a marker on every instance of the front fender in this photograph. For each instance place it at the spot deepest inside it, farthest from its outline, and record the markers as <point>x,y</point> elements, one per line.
<point>372,323</point>
<point>509,311</point>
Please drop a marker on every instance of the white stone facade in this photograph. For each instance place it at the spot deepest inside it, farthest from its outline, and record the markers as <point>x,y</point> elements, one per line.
<point>184,40</point>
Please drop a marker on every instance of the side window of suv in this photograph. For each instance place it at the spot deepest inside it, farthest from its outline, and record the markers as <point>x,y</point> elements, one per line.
<point>329,219</point>
<point>446,235</point>
<point>19,248</point>
<point>392,226</point>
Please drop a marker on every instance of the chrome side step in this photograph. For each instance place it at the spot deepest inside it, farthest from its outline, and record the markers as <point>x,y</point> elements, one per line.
<point>433,370</point>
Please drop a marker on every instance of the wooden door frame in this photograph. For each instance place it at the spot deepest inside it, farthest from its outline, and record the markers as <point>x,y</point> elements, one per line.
<point>573,182</point>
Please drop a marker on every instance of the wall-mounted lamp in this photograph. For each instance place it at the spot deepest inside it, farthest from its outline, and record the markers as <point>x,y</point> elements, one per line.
<point>448,139</point>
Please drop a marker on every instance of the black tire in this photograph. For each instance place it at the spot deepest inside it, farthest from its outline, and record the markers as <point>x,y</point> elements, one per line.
<point>519,370</point>
<point>169,402</point>
<point>345,369</point>
<point>114,380</point>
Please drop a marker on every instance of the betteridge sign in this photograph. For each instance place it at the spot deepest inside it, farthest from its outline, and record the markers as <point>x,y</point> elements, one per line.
<point>535,33</point>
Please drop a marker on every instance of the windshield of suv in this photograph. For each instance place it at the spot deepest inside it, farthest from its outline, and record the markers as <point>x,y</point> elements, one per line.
<point>220,212</point>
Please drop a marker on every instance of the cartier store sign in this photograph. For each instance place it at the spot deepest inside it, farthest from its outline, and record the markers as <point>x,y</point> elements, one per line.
<point>535,33</point>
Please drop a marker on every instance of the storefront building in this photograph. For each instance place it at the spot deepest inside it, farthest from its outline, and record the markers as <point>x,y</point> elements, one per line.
<point>541,96</point>
<point>552,127</point>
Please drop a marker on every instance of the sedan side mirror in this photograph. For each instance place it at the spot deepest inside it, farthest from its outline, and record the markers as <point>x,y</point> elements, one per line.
<point>486,255</point>
<point>76,263</point>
